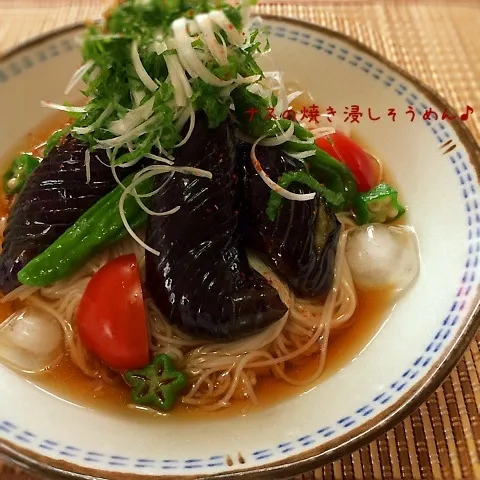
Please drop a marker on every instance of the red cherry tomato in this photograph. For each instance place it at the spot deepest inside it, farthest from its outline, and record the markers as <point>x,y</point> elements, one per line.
<point>111,315</point>
<point>342,148</point>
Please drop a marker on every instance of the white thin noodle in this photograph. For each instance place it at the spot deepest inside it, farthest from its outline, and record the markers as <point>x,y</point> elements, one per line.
<point>218,372</point>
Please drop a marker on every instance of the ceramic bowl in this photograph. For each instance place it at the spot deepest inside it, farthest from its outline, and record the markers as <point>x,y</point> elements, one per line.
<point>435,163</point>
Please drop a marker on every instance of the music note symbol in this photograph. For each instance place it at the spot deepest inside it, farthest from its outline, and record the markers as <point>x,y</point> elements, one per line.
<point>464,116</point>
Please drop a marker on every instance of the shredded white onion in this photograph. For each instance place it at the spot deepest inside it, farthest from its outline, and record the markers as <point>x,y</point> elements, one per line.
<point>301,197</point>
<point>178,89</point>
<point>90,128</point>
<point>234,36</point>
<point>182,119</point>
<point>159,47</point>
<point>145,78</point>
<point>322,132</point>
<point>63,108</point>
<point>246,80</point>
<point>279,139</point>
<point>158,158</point>
<point>190,128</point>
<point>132,118</point>
<point>138,96</point>
<point>301,155</point>
<point>131,135</point>
<point>181,75</point>
<point>307,141</point>
<point>219,52</point>
<point>292,96</point>
<point>143,175</point>
<point>78,75</point>
<point>87,165</point>
<point>189,57</point>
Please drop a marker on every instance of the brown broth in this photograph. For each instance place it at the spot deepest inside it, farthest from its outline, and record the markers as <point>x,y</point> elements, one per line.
<point>68,382</point>
<point>374,306</point>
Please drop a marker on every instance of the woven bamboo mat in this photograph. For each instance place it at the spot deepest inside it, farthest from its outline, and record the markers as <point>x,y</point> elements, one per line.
<point>438,43</point>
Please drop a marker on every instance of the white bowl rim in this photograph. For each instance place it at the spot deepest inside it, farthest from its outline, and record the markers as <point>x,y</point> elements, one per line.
<point>354,439</point>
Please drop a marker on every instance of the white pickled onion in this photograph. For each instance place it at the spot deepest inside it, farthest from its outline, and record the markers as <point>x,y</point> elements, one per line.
<point>77,76</point>
<point>189,58</point>
<point>300,197</point>
<point>219,52</point>
<point>145,78</point>
<point>132,118</point>
<point>63,108</point>
<point>87,165</point>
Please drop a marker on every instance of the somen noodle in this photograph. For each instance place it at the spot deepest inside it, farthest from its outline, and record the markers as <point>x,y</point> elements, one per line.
<point>219,372</point>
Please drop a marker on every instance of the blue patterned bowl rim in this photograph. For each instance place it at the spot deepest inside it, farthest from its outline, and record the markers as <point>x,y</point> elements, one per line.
<point>404,405</point>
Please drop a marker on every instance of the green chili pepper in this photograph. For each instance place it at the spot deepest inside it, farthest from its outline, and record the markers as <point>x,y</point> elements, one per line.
<point>15,177</point>
<point>100,225</point>
<point>54,140</point>
<point>380,204</point>
<point>332,198</point>
<point>254,114</point>
<point>158,384</point>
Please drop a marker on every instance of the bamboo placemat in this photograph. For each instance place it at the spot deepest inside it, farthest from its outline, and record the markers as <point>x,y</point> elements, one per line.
<point>438,43</point>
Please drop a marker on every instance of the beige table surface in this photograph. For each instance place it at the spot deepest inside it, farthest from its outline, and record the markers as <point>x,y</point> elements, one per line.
<point>439,42</point>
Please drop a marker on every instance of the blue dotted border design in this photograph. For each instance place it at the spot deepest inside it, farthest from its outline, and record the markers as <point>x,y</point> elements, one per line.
<point>468,283</point>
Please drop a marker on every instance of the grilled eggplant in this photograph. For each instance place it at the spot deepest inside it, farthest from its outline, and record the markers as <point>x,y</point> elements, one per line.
<point>202,281</point>
<point>300,244</point>
<point>54,197</point>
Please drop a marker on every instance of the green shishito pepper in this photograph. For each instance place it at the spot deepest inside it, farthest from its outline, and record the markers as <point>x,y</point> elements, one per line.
<point>54,140</point>
<point>99,226</point>
<point>15,177</point>
<point>275,201</point>
<point>253,113</point>
<point>380,204</point>
<point>158,384</point>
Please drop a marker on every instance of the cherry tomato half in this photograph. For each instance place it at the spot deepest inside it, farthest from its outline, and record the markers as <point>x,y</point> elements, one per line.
<point>342,148</point>
<point>111,315</point>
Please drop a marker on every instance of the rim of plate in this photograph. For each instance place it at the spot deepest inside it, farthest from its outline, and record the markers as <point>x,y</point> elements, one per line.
<point>355,438</point>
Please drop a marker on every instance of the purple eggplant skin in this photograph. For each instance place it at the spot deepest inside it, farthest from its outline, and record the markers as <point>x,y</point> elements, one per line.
<point>53,198</point>
<point>201,281</point>
<point>301,243</point>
